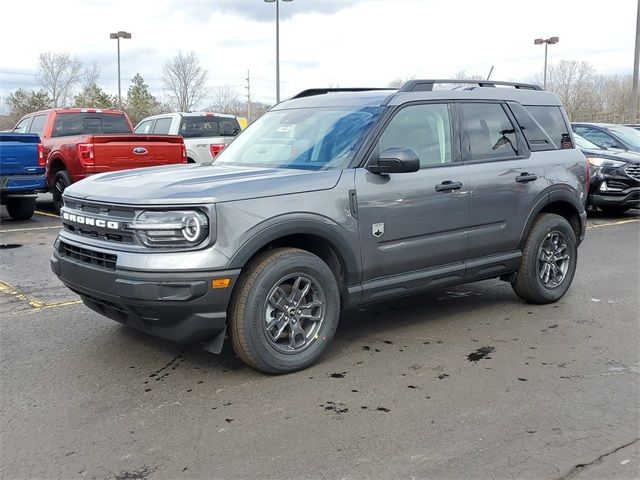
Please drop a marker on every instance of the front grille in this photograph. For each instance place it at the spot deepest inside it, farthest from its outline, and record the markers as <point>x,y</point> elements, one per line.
<point>99,259</point>
<point>105,212</point>
<point>633,171</point>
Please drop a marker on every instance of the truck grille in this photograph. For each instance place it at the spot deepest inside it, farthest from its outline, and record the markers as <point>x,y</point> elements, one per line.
<point>85,255</point>
<point>105,212</point>
<point>633,171</point>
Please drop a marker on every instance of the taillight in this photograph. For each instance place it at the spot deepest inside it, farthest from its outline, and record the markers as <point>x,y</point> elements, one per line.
<point>42,157</point>
<point>588,178</point>
<point>184,153</point>
<point>216,148</point>
<point>85,153</point>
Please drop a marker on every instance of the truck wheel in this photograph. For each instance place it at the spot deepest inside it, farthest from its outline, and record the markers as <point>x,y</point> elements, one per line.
<point>60,182</point>
<point>548,261</point>
<point>21,208</point>
<point>284,311</point>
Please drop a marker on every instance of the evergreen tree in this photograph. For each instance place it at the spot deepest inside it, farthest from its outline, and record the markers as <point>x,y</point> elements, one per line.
<point>21,102</point>
<point>92,96</point>
<point>140,102</point>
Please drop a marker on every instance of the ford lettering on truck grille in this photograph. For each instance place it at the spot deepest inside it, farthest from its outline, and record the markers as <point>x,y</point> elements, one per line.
<point>97,222</point>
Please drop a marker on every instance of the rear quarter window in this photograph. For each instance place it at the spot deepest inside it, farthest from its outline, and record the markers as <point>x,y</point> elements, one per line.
<point>162,126</point>
<point>69,124</point>
<point>552,121</point>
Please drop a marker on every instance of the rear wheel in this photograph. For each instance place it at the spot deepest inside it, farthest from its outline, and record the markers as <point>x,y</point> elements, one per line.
<point>60,182</point>
<point>548,261</point>
<point>285,310</point>
<point>21,208</point>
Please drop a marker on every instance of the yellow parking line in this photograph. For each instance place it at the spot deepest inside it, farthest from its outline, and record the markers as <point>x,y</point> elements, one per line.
<point>621,222</point>
<point>47,214</point>
<point>37,305</point>
<point>30,228</point>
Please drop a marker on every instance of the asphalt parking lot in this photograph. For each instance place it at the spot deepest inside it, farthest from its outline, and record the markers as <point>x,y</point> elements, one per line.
<point>467,382</point>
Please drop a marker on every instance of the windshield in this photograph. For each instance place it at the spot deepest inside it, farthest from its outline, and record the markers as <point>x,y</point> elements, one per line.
<point>627,134</point>
<point>308,138</point>
<point>582,142</point>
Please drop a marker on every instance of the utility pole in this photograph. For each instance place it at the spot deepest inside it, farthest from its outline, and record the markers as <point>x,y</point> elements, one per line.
<point>636,60</point>
<point>248,87</point>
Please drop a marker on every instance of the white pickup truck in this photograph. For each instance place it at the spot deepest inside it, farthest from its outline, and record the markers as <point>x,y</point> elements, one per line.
<point>205,134</point>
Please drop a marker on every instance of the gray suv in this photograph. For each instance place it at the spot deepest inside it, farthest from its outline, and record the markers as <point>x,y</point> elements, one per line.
<point>332,199</point>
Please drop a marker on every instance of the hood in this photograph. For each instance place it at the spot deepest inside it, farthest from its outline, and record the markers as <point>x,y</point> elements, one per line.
<point>621,155</point>
<point>198,184</point>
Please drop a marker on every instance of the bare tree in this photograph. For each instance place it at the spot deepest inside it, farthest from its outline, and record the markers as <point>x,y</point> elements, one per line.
<point>186,81</point>
<point>575,83</point>
<point>225,99</point>
<point>399,81</point>
<point>59,74</point>
<point>90,75</point>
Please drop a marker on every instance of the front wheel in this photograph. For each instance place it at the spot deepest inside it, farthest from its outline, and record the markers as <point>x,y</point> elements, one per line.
<point>548,261</point>
<point>60,182</point>
<point>285,310</point>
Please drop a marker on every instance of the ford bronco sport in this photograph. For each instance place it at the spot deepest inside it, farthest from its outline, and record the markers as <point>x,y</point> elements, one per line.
<point>332,199</point>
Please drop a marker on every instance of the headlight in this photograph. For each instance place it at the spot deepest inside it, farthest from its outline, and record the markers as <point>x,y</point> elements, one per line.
<point>175,228</point>
<point>604,162</point>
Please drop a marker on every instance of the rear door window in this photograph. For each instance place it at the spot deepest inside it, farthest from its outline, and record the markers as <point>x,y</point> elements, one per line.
<point>208,126</point>
<point>487,132</point>
<point>145,127</point>
<point>38,124</point>
<point>598,137</point>
<point>23,125</point>
<point>68,124</point>
<point>552,120</point>
<point>162,126</point>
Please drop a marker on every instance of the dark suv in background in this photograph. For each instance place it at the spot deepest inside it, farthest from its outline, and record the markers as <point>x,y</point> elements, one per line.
<point>332,199</point>
<point>615,177</point>
<point>608,135</point>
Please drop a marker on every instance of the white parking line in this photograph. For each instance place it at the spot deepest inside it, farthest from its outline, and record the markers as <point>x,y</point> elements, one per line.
<point>621,222</point>
<point>30,228</point>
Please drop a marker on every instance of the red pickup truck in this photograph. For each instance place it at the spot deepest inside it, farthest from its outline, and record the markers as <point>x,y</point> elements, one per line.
<point>78,142</point>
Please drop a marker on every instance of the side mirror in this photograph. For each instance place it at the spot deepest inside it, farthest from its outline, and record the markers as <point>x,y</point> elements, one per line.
<point>395,160</point>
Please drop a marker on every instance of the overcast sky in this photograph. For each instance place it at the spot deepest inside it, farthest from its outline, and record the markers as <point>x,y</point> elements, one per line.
<point>322,42</point>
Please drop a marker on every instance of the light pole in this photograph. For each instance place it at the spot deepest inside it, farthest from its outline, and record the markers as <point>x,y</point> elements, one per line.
<point>118,36</point>
<point>547,42</point>
<point>277,2</point>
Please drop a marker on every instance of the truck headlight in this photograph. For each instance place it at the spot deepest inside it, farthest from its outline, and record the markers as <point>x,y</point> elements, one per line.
<point>604,162</point>
<point>173,228</point>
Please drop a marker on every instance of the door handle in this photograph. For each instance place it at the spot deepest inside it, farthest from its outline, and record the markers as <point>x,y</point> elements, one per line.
<point>448,185</point>
<point>526,177</point>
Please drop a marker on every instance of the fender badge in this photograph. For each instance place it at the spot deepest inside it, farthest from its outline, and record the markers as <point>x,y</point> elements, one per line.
<point>377,229</point>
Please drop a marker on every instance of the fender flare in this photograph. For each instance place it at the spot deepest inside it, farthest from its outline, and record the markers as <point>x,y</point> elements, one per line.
<point>557,193</point>
<point>54,155</point>
<point>320,227</point>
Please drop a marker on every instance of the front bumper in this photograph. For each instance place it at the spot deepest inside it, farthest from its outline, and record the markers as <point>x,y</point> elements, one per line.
<point>177,306</point>
<point>627,198</point>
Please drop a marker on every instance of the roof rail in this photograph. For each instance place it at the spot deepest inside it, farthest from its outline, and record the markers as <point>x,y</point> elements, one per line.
<point>427,85</point>
<point>321,91</point>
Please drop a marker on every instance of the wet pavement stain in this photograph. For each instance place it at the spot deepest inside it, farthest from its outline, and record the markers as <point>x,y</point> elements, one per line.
<point>481,353</point>
<point>338,375</point>
<point>522,379</point>
<point>442,376</point>
<point>6,246</point>
<point>412,386</point>
<point>140,474</point>
<point>366,347</point>
<point>388,342</point>
<point>383,409</point>
<point>336,408</point>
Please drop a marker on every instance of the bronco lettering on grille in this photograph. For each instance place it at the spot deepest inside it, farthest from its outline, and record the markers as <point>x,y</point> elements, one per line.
<point>82,220</point>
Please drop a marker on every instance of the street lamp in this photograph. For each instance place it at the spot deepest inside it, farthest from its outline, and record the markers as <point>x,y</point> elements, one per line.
<point>277,2</point>
<point>547,42</point>
<point>118,36</point>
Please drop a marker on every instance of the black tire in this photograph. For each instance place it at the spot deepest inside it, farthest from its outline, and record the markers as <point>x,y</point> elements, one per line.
<point>21,208</point>
<point>614,210</point>
<point>60,182</point>
<point>248,311</point>
<point>528,284</point>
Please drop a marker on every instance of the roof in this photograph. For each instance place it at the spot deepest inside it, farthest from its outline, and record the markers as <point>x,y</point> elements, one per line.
<point>77,110</point>
<point>416,90</point>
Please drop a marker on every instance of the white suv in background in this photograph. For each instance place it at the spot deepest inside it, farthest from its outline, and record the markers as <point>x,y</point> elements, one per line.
<point>205,134</point>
